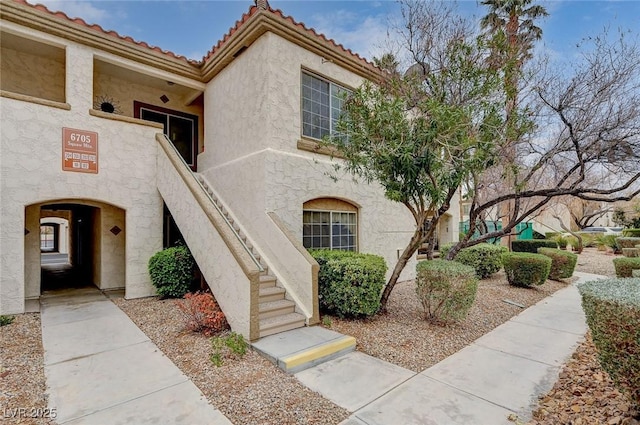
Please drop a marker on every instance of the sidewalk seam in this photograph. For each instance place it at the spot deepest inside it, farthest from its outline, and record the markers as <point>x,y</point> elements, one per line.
<point>135,398</point>
<point>100,352</point>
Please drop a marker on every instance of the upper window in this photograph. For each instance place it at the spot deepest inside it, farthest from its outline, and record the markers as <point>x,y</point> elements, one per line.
<point>322,103</point>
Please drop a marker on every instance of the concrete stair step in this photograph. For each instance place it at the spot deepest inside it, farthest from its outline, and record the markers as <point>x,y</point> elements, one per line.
<point>276,308</point>
<point>267,281</point>
<point>281,323</point>
<point>273,293</point>
<point>302,348</point>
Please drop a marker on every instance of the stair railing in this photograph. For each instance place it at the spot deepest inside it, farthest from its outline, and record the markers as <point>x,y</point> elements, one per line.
<point>185,172</point>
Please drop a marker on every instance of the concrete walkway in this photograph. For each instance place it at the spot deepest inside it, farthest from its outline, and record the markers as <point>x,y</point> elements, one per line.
<point>500,374</point>
<point>101,369</point>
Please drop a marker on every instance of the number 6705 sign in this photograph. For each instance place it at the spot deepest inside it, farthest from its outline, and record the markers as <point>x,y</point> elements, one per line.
<point>79,150</point>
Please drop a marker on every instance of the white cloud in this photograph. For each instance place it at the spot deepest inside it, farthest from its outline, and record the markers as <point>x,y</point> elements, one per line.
<point>78,9</point>
<point>365,35</point>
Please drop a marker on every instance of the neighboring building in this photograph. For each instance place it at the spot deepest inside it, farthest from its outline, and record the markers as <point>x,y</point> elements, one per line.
<point>83,112</point>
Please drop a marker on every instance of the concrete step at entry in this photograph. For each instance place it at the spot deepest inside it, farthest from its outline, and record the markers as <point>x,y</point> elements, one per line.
<point>267,281</point>
<point>273,293</point>
<point>282,323</point>
<point>276,308</point>
<point>300,349</point>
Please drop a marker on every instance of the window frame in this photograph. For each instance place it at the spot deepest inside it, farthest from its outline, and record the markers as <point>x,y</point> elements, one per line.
<point>331,235</point>
<point>331,119</point>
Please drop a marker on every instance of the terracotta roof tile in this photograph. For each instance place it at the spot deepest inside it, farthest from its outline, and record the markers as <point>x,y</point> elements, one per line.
<point>110,33</point>
<point>254,9</point>
<point>245,17</point>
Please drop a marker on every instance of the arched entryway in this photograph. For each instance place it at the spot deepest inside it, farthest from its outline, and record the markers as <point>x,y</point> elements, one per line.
<point>90,235</point>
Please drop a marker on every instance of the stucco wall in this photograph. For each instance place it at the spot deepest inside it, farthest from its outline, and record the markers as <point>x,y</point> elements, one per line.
<point>32,75</point>
<point>254,163</point>
<point>236,108</point>
<point>124,93</point>
<point>224,274</point>
<point>30,163</point>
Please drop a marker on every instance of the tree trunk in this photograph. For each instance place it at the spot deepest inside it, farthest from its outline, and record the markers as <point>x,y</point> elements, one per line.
<point>408,252</point>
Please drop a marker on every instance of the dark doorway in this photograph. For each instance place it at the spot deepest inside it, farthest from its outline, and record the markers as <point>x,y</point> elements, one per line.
<point>180,127</point>
<point>77,271</point>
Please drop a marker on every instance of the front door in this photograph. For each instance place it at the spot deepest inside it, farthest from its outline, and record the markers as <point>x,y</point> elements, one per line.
<point>180,127</point>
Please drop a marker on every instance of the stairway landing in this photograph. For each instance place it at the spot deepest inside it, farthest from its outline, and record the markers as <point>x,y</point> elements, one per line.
<point>302,348</point>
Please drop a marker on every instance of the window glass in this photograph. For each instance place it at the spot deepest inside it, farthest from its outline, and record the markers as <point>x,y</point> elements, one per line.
<point>322,104</point>
<point>329,229</point>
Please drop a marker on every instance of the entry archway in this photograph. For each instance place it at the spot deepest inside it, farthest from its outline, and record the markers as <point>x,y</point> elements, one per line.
<point>95,245</point>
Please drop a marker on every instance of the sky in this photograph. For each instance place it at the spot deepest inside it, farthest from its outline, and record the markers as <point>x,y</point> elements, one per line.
<point>192,27</point>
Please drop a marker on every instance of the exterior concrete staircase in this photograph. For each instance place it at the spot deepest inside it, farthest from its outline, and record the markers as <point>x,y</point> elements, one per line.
<point>277,313</point>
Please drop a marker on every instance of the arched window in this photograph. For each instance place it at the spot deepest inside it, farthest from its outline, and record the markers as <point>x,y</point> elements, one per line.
<point>331,224</point>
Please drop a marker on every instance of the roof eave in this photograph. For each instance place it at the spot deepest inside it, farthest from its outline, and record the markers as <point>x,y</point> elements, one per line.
<point>266,21</point>
<point>28,16</point>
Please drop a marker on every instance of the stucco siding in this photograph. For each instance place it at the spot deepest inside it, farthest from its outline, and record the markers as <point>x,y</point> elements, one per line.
<point>33,75</point>
<point>237,105</point>
<point>30,162</point>
<point>123,93</point>
<point>286,63</point>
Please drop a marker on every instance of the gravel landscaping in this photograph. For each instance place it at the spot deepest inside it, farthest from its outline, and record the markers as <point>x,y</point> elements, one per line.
<point>253,391</point>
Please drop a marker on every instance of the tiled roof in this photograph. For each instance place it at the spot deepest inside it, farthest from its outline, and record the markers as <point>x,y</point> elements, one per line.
<point>98,28</point>
<point>245,17</point>
<point>277,12</point>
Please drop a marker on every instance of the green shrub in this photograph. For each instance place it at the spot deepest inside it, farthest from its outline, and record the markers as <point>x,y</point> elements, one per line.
<point>526,269</point>
<point>532,245</point>
<point>612,308</point>
<point>349,283</point>
<point>445,248</point>
<point>6,320</point>
<point>563,263</point>
<point>588,240</point>
<point>446,289</point>
<point>624,265</point>
<point>627,242</point>
<point>550,235</point>
<point>632,233</point>
<point>561,241</point>
<point>571,240</point>
<point>232,345</point>
<point>484,258</point>
<point>171,271</point>
<point>608,240</point>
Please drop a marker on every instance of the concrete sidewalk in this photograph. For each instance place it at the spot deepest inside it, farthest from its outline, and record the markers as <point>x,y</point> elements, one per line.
<point>101,369</point>
<point>500,374</point>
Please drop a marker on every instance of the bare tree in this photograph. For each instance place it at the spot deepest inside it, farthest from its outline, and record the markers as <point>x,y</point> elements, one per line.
<point>585,143</point>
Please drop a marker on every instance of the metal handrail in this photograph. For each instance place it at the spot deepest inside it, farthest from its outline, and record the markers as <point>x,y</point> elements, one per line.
<point>226,220</point>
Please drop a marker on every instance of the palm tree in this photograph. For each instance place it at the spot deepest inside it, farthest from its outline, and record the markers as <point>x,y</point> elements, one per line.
<point>512,32</point>
<point>514,21</point>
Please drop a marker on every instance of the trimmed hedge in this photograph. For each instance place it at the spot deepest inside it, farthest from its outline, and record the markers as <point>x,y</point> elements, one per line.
<point>445,248</point>
<point>484,258</point>
<point>627,242</point>
<point>632,233</point>
<point>446,289</point>
<point>631,252</point>
<point>563,263</point>
<point>526,269</point>
<point>532,245</point>
<point>612,308</point>
<point>349,283</point>
<point>171,271</point>
<point>625,265</point>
